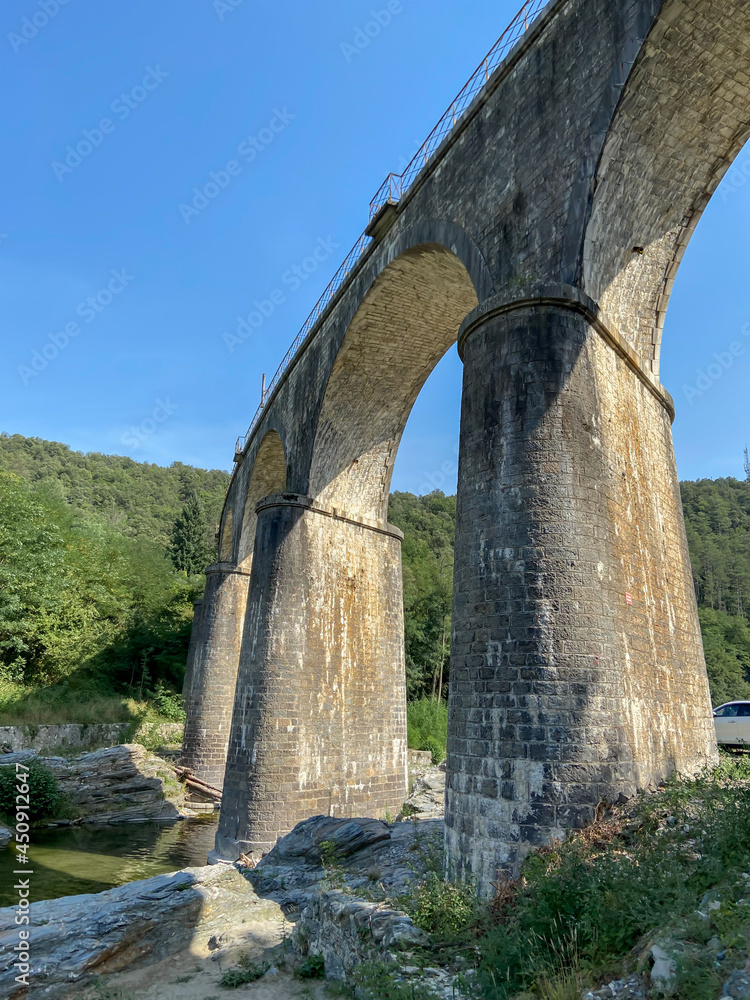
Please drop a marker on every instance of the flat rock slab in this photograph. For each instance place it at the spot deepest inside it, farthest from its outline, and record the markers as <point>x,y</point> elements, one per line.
<point>78,938</point>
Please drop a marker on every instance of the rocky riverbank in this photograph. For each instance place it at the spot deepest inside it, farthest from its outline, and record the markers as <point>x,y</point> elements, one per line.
<point>215,919</point>
<point>122,784</point>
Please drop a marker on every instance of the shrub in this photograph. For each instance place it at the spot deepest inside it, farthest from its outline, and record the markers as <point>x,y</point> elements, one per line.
<point>444,909</point>
<point>168,704</point>
<point>313,967</point>
<point>594,897</point>
<point>44,795</point>
<point>427,725</point>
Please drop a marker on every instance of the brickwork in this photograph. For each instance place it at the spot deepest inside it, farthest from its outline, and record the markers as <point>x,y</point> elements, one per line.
<point>564,694</point>
<point>604,133</point>
<point>269,476</point>
<point>193,647</point>
<point>214,673</point>
<point>320,714</point>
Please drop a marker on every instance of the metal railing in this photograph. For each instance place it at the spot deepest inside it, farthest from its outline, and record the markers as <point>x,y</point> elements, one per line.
<point>395,186</point>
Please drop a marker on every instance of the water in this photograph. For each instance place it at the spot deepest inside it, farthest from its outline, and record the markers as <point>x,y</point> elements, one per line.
<point>72,860</point>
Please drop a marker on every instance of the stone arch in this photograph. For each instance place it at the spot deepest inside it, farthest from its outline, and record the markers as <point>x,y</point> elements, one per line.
<point>683,117</point>
<point>269,475</point>
<point>226,545</point>
<point>406,322</point>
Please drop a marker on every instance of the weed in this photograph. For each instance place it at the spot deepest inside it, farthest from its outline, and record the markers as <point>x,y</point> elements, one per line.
<point>248,972</point>
<point>444,909</point>
<point>642,871</point>
<point>313,967</point>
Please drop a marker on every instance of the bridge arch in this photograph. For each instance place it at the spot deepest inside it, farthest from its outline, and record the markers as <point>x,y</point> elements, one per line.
<point>407,321</point>
<point>682,119</point>
<point>268,475</point>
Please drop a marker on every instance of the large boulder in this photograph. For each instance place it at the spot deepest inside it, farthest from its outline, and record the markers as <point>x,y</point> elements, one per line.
<point>306,841</point>
<point>76,939</point>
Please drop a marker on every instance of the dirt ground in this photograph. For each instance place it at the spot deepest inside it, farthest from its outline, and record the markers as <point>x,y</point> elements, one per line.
<point>196,975</point>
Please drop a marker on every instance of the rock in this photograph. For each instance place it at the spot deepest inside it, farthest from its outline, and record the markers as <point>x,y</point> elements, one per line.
<point>347,835</point>
<point>346,932</point>
<point>664,967</point>
<point>122,784</point>
<point>427,797</point>
<point>78,938</point>
<point>737,987</point>
<point>6,836</point>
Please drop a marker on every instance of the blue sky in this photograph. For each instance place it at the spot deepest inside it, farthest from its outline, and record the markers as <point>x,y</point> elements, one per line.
<point>166,93</point>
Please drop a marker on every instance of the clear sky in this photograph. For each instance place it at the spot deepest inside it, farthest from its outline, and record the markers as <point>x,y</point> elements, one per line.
<point>164,92</point>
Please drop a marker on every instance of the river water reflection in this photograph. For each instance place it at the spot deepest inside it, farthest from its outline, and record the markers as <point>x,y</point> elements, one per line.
<point>68,861</point>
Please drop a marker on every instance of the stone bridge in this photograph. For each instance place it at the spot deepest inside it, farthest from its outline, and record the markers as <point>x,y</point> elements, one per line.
<point>542,235</point>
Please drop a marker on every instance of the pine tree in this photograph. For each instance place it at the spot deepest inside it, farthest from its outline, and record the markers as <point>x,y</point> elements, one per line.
<point>189,549</point>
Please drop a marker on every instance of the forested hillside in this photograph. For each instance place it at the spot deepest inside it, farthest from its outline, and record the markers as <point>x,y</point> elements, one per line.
<point>101,559</point>
<point>100,562</point>
<point>717,518</point>
<point>139,500</point>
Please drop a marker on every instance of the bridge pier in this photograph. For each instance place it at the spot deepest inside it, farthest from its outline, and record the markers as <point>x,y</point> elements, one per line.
<point>319,724</point>
<point>211,675</point>
<point>577,670</point>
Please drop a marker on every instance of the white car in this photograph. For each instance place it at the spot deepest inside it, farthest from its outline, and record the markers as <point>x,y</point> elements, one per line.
<point>732,723</point>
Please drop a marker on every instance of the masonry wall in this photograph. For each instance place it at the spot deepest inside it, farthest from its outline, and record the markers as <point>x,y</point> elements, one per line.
<point>319,721</point>
<point>564,694</point>
<point>213,672</point>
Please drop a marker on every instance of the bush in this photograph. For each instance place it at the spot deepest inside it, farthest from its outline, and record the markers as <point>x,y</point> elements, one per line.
<point>427,726</point>
<point>168,704</point>
<point>595,897</point>
<point>44,796</point>
<point>444,909</point>
<point>313,967</point>
<point>249,972</point>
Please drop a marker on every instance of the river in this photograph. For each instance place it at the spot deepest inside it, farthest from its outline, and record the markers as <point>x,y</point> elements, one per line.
<point>67,861</point>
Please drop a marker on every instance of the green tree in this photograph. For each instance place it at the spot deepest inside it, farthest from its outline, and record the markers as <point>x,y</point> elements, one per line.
<point>189,548</point>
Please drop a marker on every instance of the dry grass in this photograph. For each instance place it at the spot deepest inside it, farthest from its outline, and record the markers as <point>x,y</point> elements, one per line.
<point>20,706</point>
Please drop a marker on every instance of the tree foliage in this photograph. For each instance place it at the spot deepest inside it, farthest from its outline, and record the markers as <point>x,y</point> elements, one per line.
<point>190,547</point>
<point>429,526</point>
<point>139,500</point>
<point>81,602</point>
<point>100,560</point>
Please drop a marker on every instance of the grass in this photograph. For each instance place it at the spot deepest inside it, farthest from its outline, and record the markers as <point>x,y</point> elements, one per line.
<point>63,704</point>
<point>671,868</point>
<point>427,727</point>
<point>584,907</point>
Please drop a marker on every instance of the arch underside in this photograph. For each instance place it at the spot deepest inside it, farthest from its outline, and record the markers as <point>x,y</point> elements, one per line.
<point>269,475</point>
<point>683,118</point>
<point>405,325</point>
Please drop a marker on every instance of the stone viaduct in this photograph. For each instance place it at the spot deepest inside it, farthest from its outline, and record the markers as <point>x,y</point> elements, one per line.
<point>542,234</point>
